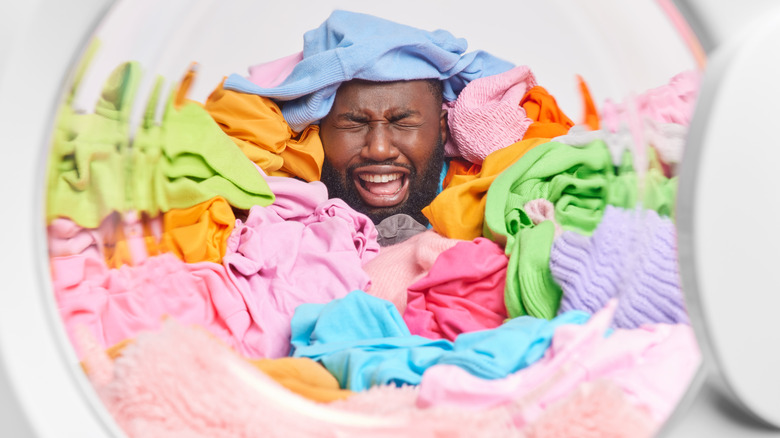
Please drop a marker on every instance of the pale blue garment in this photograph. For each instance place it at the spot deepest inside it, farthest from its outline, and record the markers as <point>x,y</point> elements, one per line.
<point>351,45</point>
<point>363,341</point>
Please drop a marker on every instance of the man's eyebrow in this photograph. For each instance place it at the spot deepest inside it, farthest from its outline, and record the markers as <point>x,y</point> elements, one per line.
<point>403,114</point>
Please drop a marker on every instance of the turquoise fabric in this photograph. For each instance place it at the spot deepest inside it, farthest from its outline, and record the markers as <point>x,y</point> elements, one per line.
<point>363,341</point>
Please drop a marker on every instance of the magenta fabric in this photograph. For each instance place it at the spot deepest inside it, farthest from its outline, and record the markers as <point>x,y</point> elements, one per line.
<point>117,304</point>
<point>273,73</point>
<point>487,115</point>
<point>398,266</point>
<point>304,248</point>
<point>463,292</point>
<point>653,365</point>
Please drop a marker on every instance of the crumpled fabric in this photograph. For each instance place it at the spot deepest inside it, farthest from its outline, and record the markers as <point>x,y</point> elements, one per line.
<point>256,125</point>
<point>364,342</point>
<point>398,228</point>
<point>350,45</point>
<point>463,292</point>
<point>305,248</point>
<point>652,365</point>
<point>487,114</point>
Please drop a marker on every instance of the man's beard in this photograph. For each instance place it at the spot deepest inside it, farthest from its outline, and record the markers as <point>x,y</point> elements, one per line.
<point>423,187</point>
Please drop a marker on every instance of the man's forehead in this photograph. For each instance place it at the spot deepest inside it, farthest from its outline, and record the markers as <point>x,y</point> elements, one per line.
<point>403,96</point>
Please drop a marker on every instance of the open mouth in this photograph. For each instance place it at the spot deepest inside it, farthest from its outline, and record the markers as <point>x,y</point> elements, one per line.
<point>382,185</point>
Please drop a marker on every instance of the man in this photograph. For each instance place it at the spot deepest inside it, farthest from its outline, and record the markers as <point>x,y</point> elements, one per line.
<point>384,146</point>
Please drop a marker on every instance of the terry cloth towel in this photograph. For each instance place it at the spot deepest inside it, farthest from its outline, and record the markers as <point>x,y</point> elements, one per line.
<point>632,256</point>
<point>351,45</point>
<point>487,114</point>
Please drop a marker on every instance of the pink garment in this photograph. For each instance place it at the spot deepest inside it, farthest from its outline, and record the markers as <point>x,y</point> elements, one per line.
<point>273,73</point>
<point>398,266</point>
<point>66,237</point>
<point>540,210</point>
<point>653,365</point>
<point>670,103</point>
<point>304,248</point>
<point>593,410</point>
<point>487,115</point>
<point>463,292</point>
<point>180,382</point>
<point>117,304</point>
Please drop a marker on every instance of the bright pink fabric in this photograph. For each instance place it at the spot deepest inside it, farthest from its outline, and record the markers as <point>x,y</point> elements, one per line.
<point>398,266</point>
<point>653,365</point>
<point>273,73</point>
<point>487,115</point>
<point>463,292</point>
<point>180,382</point>
<point>304,248</point>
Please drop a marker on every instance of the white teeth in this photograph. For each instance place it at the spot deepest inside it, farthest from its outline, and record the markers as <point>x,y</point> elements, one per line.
<point>376,178</point>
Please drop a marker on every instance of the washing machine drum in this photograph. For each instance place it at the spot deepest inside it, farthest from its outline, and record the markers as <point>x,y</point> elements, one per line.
<point>205,284</point>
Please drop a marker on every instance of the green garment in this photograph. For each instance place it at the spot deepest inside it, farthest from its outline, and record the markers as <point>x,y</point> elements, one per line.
<point>188,159</point>
<point>576,180</point>
<point>658,194</point>
<point>86,161</point>
<point>97,168</point>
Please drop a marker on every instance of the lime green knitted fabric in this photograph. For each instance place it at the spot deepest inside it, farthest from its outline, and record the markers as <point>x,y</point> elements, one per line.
<point>86,163</point>
<point>576,180</point>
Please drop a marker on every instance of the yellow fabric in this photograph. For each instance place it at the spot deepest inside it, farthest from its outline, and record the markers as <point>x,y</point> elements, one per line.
<point>256,125</point>
<point>459,210</point>
<point>198,233</point>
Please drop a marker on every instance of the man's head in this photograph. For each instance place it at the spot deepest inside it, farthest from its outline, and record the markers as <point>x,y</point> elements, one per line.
<point>384,146</point>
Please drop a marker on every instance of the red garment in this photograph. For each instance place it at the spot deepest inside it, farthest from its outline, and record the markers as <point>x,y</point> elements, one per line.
<point>463,292</point>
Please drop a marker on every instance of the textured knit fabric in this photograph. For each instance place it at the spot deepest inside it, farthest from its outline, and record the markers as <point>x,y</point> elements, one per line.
<point>351,45</point>
<point>180,382</point>
<point>86,167</point>
<point>458,211</point>
<point>398,266</point>
<point>463,292</point>
<point>653,367</point>
<point>631,256</point>
<point>398,228</point>
<point>487,114</point>
<point>576,180</point>
<point>256,125</point>
<point>186,160</point>
<point>363,341</point>
<point>305,248</point>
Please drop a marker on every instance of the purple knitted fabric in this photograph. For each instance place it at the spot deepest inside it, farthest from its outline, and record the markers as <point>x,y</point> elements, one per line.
<point>632,255</point>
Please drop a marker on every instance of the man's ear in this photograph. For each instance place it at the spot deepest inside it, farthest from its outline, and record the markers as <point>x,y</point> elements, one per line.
<point>443,127</point>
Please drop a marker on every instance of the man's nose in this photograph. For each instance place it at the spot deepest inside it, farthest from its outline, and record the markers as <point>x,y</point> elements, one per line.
<point>379,143</point>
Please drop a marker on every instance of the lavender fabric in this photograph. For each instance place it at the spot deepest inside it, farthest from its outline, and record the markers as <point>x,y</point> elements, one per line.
<point>632,255</point>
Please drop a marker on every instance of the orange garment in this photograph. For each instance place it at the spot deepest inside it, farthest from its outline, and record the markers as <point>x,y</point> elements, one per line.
<point>459,210</point>
<point>459,166</point>
<point>541,107</point>
<point>590,112</point>
<point>256,125</point>
<point>303,376</point>
<point>198,233</point>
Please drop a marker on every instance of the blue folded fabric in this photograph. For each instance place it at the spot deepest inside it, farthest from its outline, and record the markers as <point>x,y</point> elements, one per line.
<point>363,341</point>
<point>351,45</point>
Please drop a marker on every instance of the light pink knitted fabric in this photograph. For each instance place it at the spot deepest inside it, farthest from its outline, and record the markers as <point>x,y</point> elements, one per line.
<point>181,382</point>
<point>399,266</point>
<point>273,73</point>
<point>487,115</point>
<point>540,210</point>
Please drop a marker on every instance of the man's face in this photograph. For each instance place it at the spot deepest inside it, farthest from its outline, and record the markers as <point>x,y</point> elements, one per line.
<point>383,146</point>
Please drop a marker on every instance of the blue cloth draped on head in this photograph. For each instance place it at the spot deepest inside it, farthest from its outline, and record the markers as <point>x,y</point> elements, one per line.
<point>351,45</point>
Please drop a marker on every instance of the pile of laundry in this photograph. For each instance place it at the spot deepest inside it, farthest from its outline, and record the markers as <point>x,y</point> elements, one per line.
<point>211,288</point>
